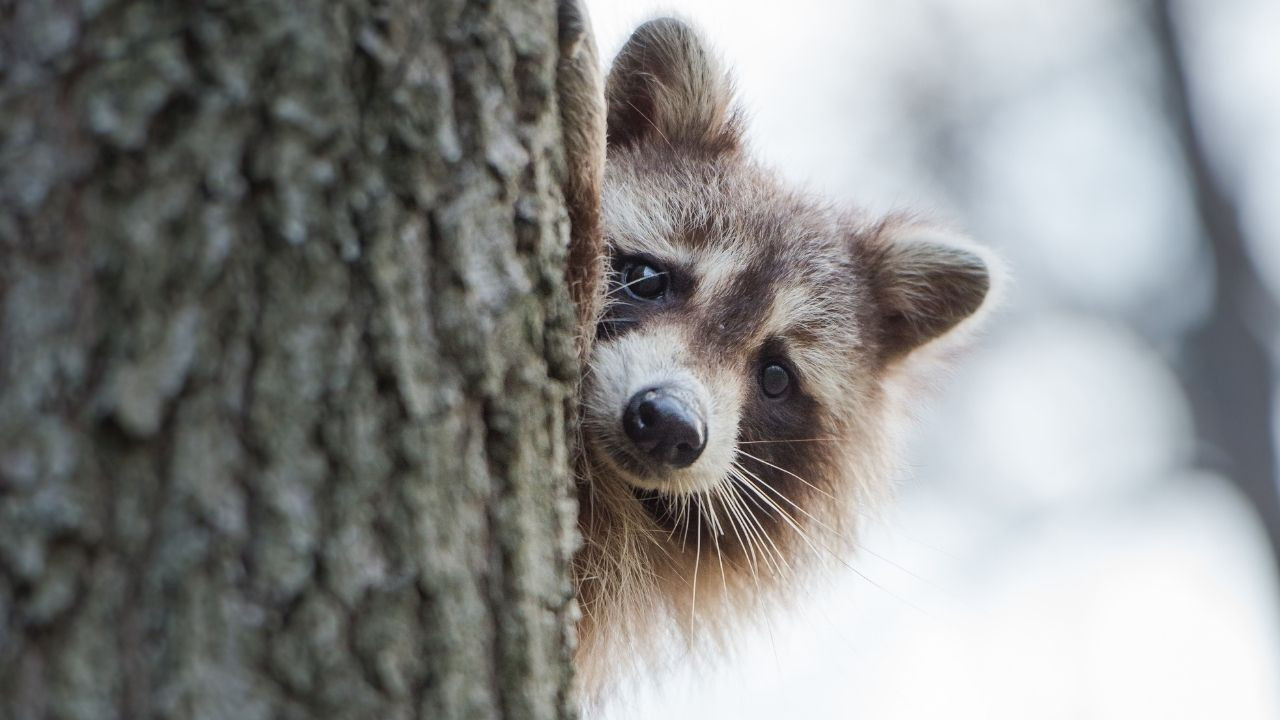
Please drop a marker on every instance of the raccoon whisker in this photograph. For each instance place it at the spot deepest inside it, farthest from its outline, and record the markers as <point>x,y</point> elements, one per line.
<point>591,366</point>
<point>736,504</point>
<point>734,507</point>
<point>684,520</point>
<point>747,519</point>
<point>678,520</point>
<point>779,469</point>
<point>798,508</point>
<point>756,481</point>
<point>653,535</point>
<point>675,522</point>
<point>611,303</point>
<point>798,440</point>
<point>715,538</point>
<point>808,541</point>
<point>786,516</point>
<point>772,505</point>
<point>610,332</point>
<point>617,321</point>
<point>900,568</point>
<point>633,282</point>
<point>778,562</point>
<point>808,515</point>
<point>748,536</point>
<point>759,552</point>
<point>769,554</point>
<point>697,557</point>
<point>877,585</point>
<point>712,518</point>
<point>609,329</point>
<point>779,557</point>
<point>612,298</point>
<point>823,525</point>
<point>732,520</point>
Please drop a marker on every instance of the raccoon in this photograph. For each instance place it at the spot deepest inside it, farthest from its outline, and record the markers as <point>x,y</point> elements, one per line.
<point>746,351</point>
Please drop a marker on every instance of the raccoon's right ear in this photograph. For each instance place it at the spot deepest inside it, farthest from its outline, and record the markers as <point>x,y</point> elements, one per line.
<point>667,86</point>
<point>926,282</point>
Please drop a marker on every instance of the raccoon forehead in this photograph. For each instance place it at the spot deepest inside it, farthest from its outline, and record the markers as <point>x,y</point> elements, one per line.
<point>675,200</point>
<point>717,232</point>
<point>638,221</point>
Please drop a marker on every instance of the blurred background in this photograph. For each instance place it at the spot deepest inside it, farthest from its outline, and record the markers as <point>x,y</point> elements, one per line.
<point>1088,523</point>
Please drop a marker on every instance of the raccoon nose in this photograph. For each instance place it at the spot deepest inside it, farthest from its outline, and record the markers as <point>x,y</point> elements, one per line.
<point>665,427</point>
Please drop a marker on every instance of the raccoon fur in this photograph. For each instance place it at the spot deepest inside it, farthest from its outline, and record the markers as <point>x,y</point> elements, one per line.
<point>746,348</point>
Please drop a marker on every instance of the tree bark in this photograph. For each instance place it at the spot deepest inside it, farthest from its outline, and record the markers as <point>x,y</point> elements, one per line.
<point>286,361</point>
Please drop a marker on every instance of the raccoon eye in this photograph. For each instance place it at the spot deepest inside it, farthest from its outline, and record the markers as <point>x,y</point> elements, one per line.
<point>774,380</point>
<point>644,282</point>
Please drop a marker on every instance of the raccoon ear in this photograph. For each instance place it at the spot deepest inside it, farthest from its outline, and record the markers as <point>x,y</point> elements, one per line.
<point>926,282</point>
<point>667,86</point>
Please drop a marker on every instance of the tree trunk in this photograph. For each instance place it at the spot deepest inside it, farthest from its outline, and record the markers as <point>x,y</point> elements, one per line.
<point>285,361</point>
<point>1227,367</point>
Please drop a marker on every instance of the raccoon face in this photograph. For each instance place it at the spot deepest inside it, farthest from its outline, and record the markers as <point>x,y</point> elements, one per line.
<point>747,330</point>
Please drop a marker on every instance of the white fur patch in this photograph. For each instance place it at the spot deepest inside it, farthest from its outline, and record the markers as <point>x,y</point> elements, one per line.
<point>637,218</point>
<point>717,266</point>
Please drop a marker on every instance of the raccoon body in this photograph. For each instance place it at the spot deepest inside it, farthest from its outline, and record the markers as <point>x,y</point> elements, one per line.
<point>745,347</point>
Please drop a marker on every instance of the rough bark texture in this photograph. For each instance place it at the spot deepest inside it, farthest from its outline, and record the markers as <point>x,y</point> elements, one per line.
<point>285,361</point>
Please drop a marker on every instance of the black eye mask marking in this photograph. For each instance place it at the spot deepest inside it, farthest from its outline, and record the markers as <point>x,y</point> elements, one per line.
<point>641,285</point>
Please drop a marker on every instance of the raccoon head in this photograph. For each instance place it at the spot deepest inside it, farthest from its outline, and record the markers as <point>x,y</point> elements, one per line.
<point>746,328</point>
<point>736,394</point>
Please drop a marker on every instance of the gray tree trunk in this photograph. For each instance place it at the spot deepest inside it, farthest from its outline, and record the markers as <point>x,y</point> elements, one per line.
<point>285,361</point>
<point>1227,366</point>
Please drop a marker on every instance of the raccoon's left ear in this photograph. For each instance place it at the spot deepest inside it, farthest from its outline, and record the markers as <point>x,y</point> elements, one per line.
<point>925,283</point>
<point>666,86</point>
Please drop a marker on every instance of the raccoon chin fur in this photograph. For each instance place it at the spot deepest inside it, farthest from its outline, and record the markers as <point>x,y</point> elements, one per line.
<point>747,352</point>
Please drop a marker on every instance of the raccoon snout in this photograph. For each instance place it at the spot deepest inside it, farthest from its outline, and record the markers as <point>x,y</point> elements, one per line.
<point>665,427</point>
